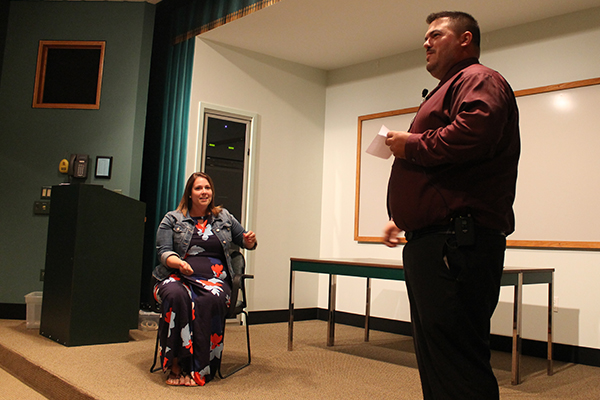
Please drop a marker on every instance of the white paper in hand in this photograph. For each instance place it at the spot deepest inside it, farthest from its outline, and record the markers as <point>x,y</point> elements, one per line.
<point>378,148</point>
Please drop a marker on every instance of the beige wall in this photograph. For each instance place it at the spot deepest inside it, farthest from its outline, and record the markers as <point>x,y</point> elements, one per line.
<point>553,51</point>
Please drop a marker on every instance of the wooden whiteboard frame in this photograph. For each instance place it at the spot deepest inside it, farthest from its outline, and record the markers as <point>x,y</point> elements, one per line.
<point>540,244</point>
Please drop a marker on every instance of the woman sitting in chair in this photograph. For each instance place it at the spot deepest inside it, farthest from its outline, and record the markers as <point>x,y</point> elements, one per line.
<point>194,282</point>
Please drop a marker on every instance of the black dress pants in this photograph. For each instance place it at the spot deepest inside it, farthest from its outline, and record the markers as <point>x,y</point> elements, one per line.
<point>453,292</point>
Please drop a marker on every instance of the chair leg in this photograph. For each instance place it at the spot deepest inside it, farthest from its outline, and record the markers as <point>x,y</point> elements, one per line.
<point>248,338</point>
<point>249,354</point>
<point>152,368</point>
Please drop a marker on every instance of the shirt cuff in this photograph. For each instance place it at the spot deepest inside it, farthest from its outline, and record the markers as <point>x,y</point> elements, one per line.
<point>410,148</point>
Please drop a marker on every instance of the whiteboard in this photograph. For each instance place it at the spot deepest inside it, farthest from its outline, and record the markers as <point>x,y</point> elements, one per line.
<point>558,185</point>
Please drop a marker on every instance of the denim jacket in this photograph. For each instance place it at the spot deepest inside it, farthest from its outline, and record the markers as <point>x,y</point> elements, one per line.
<point>175,234</point>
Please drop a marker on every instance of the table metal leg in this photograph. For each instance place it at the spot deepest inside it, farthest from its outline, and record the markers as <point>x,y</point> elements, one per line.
<point>550,311</point>
<point>331,311</point>
<point>368,309</point>
<point>516,342</point>
<point>291,319</point>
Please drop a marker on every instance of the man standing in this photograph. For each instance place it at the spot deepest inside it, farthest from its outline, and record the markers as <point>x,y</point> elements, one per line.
<point>451,189</point>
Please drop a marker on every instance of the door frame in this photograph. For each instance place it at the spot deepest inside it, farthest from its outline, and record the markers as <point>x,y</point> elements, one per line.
<point>248,193</point>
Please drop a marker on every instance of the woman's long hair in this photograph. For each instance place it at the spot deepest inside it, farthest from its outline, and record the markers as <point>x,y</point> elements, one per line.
<point>185,205</point>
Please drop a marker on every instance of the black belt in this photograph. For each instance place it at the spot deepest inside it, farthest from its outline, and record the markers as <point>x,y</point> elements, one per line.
<point>448,230</point>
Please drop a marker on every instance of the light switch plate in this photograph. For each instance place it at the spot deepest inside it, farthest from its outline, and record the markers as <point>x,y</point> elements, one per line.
<point>41,207</point>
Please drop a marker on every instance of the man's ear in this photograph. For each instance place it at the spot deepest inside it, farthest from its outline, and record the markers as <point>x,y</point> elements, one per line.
<point>466,39</point>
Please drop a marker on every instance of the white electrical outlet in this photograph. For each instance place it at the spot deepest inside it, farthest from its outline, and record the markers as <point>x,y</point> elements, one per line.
<point>555,304</point>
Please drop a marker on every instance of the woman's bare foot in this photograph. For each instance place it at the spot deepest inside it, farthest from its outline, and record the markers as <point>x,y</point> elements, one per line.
<point>175,377</point>
<point>188,380</point>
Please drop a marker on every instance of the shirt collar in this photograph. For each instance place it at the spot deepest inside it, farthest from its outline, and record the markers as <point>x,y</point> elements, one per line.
<point>459,66</point>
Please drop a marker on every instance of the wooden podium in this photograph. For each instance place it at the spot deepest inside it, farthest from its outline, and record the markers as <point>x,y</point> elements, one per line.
<point>93,266</point>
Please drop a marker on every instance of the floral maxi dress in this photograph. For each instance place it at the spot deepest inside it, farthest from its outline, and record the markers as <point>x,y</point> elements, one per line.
<point>194,307</point>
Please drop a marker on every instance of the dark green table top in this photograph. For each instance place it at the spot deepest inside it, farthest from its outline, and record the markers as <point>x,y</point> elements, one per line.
<point>393,269</point>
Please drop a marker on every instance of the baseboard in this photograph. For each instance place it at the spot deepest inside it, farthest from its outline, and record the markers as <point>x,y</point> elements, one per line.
<point>13,311</point>
<point>534,348</point>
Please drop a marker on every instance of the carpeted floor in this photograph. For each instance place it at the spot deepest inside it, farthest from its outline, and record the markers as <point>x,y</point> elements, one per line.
<point>383,368</point>
<point>12,388</point>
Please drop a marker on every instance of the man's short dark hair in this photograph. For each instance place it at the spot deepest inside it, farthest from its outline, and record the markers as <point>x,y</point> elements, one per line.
<point>461,22</point>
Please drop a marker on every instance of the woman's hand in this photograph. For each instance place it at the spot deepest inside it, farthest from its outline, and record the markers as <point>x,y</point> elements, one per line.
<point>177,263</point>
<point>249,240</point>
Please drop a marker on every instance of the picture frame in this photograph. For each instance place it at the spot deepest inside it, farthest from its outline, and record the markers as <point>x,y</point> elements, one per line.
<point>69,74</point>
<point>103,167</point>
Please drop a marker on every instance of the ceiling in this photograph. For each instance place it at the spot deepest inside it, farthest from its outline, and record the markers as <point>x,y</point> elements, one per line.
<point>331,34</point>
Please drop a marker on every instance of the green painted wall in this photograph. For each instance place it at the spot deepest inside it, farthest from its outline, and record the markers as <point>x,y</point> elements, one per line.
<point>33,141</point>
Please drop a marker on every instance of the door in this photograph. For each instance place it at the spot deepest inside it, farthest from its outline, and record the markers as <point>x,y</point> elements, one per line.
<point>226,157</point>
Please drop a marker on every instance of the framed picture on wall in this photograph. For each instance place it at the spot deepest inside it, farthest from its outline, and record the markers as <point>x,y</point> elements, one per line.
<point>103,167</point>
<point>69,74</point>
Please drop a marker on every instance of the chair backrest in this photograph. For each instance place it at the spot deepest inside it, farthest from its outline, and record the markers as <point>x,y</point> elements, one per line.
<point>238,263</point>
<point>238,303</point>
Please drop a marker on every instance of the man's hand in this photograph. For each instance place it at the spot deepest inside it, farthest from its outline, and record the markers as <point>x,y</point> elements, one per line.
<point>390,234</point>
<point>397,142</point>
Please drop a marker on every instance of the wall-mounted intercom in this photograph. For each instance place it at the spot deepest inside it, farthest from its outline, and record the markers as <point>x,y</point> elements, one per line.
<point>78,165</point>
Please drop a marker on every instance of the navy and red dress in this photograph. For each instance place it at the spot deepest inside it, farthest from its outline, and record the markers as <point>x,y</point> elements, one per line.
<point>194,307</point>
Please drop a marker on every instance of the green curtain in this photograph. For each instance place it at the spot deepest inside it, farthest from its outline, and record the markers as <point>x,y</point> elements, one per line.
<point>171,178</point>
<point>214,13</point>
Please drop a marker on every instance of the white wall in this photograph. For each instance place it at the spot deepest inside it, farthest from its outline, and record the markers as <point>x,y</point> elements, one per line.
<point>552,51</point>
<point>290,102</point>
